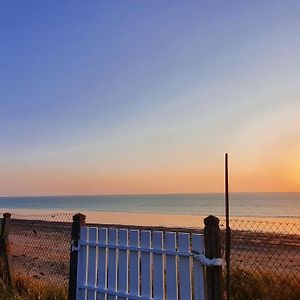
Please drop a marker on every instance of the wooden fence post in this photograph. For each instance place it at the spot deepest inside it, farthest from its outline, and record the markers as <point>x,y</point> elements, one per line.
<point>5,252</point>
<point>212,239</point>
<point>78,222</point>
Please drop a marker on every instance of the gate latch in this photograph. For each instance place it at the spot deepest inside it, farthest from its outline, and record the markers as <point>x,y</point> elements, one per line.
<point>207,261</point>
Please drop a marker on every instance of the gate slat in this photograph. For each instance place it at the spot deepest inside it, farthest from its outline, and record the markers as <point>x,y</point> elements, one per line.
<point>158,269</point>
<point>146,283</point>
<point>92,262</point>
<point>82,264</point>
<point>171,267</point>
<point>184,267</point>
<point>112,263</point>
<point>198,247</point>
<point>123,263</point>
<point>102,263</point>
<point>134,268</point>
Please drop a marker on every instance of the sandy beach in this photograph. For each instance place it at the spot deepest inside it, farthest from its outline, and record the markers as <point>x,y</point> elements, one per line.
<point>40,240</point>
<point>151,219</point>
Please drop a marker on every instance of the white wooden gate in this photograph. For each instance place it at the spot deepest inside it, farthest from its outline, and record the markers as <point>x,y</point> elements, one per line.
<point>132,264</point>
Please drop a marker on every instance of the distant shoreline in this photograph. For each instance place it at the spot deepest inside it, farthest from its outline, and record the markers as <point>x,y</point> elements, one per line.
<point>41,212</point>
<point>140,194</point>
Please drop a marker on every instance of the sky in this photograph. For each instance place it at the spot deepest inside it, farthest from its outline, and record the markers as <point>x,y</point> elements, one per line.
<point>135,97</point>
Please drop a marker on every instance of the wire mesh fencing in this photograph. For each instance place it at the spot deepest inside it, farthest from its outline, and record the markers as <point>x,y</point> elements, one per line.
<point>265,255</point>
<point>40,247</point>
<point>265,259</point>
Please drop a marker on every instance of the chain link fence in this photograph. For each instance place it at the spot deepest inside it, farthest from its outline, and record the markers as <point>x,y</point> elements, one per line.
<point>265,255</point>
<point>40,251</point>
<point>265,259</point>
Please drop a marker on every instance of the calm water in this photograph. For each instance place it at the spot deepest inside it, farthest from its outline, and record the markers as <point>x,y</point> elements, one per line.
<point>242,204</point>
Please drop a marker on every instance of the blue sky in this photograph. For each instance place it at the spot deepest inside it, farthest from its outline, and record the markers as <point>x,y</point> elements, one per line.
<point>124,89</point>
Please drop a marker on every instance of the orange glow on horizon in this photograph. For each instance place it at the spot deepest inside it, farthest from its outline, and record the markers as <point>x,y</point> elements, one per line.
<point>71,182</point>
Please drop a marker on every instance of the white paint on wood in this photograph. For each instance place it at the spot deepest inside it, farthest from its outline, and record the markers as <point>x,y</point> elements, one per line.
<point>184,267</point>
<point>171,266</point>
<point>82,265</point>
<point>158,267</point>
<point>112,263</point>
<point>102,263</point>
<point>198,247</point>
<point>146,278</point>
<point>92,262</point>
<point>132,265</point>
<point>123,263</point>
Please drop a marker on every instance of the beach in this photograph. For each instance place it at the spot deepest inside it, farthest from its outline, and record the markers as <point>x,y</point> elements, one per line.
<point>40,240</point>
<point>151,219</point>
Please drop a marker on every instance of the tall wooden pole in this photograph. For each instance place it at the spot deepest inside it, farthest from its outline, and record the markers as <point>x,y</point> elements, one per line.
<point>228,233</point>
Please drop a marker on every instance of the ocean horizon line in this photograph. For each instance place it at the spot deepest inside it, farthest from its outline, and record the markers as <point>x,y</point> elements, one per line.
<point>146,194</point>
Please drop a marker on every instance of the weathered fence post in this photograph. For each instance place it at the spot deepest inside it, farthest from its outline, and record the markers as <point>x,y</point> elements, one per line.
<point>78,222</point>
<point>5,252</point>
<point>212,239</point>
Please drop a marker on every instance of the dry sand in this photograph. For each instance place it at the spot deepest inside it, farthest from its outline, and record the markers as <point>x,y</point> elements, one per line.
<point>160,220</point>
<point>40,240</point>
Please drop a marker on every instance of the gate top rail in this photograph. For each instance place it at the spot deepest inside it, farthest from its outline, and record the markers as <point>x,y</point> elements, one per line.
<point>135,248</point>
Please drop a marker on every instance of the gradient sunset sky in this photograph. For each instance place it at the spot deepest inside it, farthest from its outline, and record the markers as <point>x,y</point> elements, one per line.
<point>122,97</point>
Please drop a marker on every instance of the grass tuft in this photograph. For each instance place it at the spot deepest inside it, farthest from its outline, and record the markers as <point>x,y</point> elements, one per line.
<point>27,288</point>
<point>263,285</point>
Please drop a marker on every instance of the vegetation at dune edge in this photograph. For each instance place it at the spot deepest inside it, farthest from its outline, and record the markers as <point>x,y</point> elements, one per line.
<point>245,285</point>
<point>263,285</point>
<point>27,288</point>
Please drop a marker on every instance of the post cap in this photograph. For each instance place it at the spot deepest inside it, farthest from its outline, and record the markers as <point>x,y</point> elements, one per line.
<point>7,215</point>
<point>211,220</point>
<point>79,217</point>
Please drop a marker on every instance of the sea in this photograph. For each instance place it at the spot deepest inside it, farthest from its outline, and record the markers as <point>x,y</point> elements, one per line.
<point>241,204</point>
